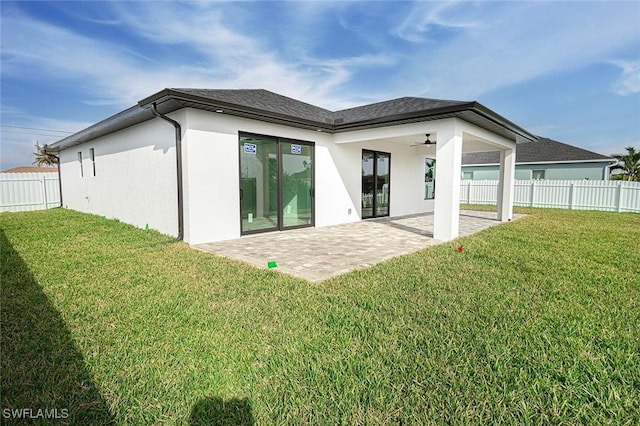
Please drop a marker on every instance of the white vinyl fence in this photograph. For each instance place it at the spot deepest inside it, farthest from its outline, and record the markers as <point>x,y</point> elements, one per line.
<point>605,195</point>
<point>29,191</point>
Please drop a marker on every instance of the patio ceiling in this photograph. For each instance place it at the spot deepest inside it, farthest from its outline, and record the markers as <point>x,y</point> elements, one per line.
<point>474,139</point>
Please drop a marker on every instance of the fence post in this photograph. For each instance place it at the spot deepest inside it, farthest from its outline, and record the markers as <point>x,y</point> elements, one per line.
<point>618,196</point>
<point>469,192</point>
<point>533,186</point>
<point>43,180</point>
<point>622,199</point>
<point>571,194</point>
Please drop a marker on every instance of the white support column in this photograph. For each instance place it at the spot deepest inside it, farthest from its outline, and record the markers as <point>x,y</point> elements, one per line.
<point>506,184</point>
<point>446,215</point>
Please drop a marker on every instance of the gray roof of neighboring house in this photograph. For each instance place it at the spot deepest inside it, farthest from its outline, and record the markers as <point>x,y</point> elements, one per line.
<point>544,150</point>
<point>31,169</point>
<point>267,106</point>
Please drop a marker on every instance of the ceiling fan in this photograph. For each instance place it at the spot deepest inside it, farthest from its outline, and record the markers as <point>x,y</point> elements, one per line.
<point>427,141</point>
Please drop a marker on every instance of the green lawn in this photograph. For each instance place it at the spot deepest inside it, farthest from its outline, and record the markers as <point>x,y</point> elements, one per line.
<point>536,321</point>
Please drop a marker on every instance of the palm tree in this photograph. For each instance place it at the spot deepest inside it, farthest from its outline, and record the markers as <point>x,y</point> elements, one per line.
<point>629,164</point>
<point>44,157</point>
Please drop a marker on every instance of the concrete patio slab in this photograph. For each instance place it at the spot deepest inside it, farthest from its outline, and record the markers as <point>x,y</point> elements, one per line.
<point>316,254</point>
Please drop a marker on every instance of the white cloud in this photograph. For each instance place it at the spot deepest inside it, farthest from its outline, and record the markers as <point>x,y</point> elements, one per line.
<point>629,81</point>
<point>449,50</point>
<point>427,16</point>
<point>116,75</point>
<point>515,42</point>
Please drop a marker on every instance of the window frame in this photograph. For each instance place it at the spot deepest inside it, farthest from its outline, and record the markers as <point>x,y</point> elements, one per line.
<point>542,171</point>
<point>79,157</point>
<point>92,157</point>
<point>433,178</point>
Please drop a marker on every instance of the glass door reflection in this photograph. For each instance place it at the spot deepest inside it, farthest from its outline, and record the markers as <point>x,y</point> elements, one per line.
<point>297,184</point>
<point>258,183</point>
<point>376,181</point>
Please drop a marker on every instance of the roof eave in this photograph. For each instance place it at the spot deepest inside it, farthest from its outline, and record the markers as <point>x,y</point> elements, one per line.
<point>480,109</point>
<point>141,112</point>
<point>474,107</point>
<point>414,116</point>
<point>116,122</point>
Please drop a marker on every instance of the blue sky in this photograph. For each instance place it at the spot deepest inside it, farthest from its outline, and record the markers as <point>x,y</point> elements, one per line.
<point>565,70</point>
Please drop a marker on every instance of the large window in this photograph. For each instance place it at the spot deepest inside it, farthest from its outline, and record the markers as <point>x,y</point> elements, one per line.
<point>276,183</point>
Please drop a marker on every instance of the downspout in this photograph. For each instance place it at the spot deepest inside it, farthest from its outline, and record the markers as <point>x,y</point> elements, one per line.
<point>59,178</point>
<point>607,170</point>
<point>178,128</point>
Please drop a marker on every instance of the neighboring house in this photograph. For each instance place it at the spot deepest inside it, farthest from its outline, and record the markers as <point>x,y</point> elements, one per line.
<point>30,169</point>
<point>211,165</point>
<point>542,159</point>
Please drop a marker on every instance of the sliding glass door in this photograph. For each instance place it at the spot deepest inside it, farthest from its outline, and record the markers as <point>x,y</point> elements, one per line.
<point>376,172</point>
<point>259,183</point>
<point>276,184</point>
<point>297,184</point>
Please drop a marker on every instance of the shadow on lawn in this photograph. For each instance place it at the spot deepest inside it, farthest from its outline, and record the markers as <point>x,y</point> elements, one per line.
<point>41,367</point>
<point>216,411</point>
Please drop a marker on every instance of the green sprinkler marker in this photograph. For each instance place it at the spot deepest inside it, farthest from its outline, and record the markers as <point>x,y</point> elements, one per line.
<point>146,226</point>
<point>272,264</point>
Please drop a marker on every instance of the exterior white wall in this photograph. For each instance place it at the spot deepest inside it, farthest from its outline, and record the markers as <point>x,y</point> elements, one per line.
<point>136,172</point>
<point>407,176</point>
<point>135,179</point>
<point>211,174</point>
<point>211,170</point>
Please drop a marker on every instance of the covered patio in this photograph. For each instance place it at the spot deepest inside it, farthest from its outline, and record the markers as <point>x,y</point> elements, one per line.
<point>450,138</point>
<point>319,253</point>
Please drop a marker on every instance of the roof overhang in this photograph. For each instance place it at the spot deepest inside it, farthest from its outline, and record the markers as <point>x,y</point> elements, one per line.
<point>122,120</point>
<point>169,100</point>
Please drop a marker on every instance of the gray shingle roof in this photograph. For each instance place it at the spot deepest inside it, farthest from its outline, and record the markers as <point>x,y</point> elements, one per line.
<point>267,106</point>
<point>266,101</point>
<point>393,107</point>
<point>542,150</point>
<point>263,100</point>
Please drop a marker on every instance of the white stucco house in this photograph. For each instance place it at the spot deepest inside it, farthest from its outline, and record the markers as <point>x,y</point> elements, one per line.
<point>212,165</point>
